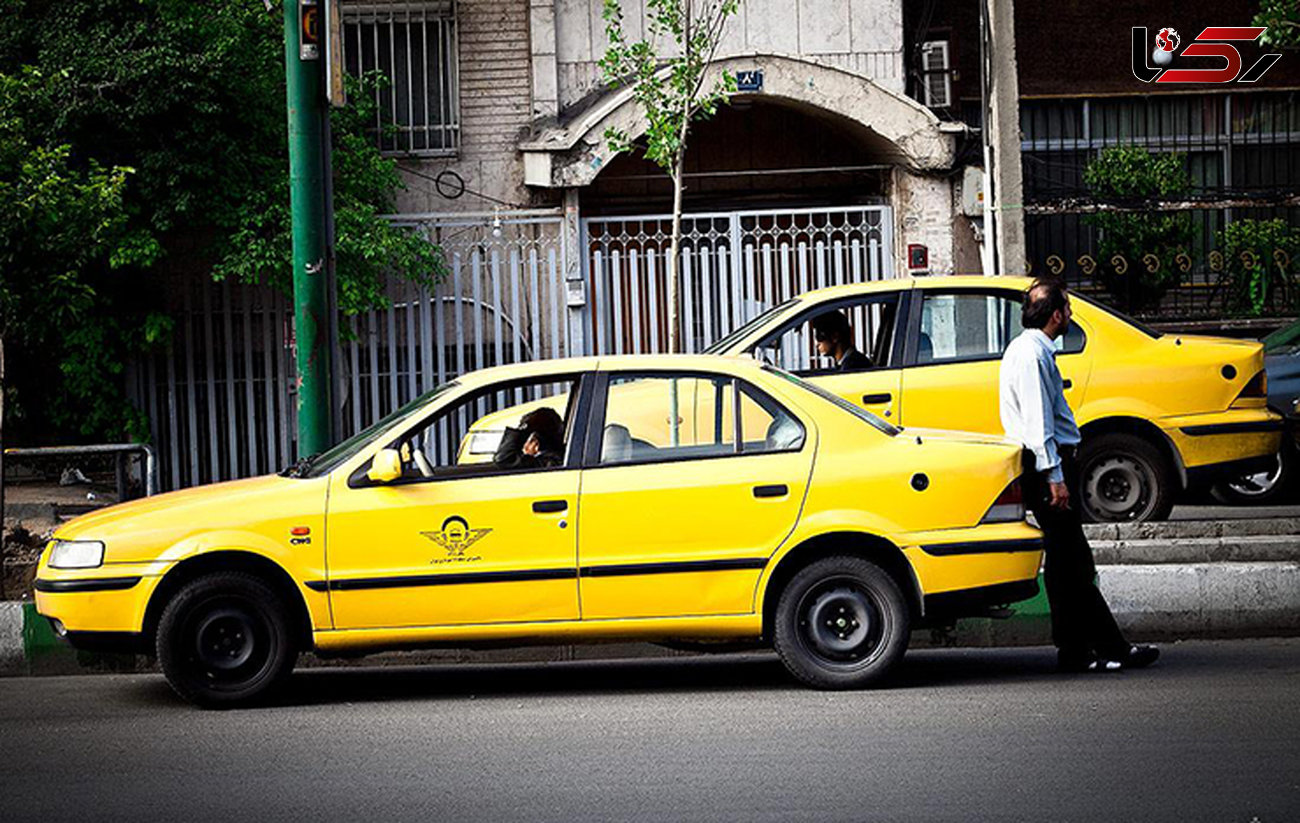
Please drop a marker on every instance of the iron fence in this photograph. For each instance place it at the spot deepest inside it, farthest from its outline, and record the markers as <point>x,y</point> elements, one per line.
<point>1205,249</point>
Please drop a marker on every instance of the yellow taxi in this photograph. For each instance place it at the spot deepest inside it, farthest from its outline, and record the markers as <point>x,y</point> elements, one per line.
<point>775,512</point>
<point>1160,413</point>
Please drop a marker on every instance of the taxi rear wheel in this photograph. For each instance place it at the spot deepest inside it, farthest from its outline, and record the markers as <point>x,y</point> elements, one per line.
<point>225,640</point>
<point>1124,479</point>
<point>841,623</point>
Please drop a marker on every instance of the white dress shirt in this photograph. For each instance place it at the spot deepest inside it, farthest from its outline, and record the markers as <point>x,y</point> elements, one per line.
<point>1032,401</point>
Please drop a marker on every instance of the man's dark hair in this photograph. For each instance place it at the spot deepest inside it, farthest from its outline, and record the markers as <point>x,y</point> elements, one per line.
<point>830,325</point>
<point>1044,297</point>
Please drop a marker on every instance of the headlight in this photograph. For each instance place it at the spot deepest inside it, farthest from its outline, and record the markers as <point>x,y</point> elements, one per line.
<point>76,554</point>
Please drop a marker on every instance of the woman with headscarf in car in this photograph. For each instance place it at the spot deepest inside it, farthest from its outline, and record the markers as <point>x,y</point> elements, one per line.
<point>538,442</point>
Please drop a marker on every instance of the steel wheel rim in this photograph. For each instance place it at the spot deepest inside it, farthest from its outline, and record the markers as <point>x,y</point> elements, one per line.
<point>842,623</point>
<point>227,643</point>
<point>1259,483</point>
<point>1118,487</point>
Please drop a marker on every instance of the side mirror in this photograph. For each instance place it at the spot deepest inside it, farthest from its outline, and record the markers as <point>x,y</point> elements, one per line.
<point>385,467</point>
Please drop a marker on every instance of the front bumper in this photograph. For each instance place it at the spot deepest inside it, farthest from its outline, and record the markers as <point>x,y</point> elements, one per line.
<point>111,598</point>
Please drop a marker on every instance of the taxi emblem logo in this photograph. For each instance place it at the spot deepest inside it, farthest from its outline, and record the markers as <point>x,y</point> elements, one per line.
<point>456,536</point>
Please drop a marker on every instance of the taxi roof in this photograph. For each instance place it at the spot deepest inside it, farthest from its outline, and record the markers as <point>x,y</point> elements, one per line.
<point>941,281</point>
<point>567,365</point>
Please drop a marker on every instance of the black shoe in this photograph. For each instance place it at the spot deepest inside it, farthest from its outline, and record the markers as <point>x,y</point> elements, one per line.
<point>1139,657</point>
<point>1081,664</point>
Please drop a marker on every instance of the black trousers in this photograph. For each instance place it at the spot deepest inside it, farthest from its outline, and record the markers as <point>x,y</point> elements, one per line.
<point>1082,624</point>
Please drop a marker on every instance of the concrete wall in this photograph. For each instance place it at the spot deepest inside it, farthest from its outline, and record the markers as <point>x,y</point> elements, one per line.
<point>496,97</point>
<point>923,213</point>
<point>866,37</point>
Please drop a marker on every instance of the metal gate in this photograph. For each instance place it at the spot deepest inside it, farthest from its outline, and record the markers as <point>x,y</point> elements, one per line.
<point>221,397</point>
<point>733,265</point>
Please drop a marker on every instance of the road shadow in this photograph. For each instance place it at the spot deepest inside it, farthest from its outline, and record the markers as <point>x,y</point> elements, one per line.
<point>749,672</point>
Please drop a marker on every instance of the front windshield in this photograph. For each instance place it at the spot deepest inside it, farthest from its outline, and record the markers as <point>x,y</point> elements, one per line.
<point>857,411</point>
<point>730,340</point>
<point>327,461</point>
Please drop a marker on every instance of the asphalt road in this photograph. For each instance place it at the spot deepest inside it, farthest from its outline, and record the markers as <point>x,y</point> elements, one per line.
<point>1211,733</point>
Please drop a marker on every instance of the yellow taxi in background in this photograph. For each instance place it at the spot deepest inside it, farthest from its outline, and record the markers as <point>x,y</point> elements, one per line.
<point>1160,413</point>
<point>780,513</point>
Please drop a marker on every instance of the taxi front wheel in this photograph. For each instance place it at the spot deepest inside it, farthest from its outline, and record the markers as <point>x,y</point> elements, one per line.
<point>225,639</point>
<point>841,623</point>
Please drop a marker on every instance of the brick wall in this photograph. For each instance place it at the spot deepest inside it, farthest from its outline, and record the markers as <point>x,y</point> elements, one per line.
<point>495,85</point>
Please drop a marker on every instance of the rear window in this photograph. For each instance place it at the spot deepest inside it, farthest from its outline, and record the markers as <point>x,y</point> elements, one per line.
<point>1114,312</point>
<point>857,411</point>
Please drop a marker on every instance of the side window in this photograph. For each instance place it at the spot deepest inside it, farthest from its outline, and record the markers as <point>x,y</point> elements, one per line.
<point>672,417</point>
<point>1073,341</point>
<point>765,425</point>
<point>520,426</point>
<point>957,327</point>
<point>855,336</point>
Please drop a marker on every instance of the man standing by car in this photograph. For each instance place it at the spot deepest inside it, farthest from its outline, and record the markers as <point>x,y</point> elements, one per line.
<point>1035,413</point>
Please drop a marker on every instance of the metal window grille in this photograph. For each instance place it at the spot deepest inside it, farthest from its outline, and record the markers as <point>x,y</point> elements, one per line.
<point>414,46</point>
<point>935,72</point>
<point>1242,157</point>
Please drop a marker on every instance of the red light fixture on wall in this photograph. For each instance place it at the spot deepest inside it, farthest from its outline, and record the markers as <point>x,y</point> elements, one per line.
<point>918,259</point>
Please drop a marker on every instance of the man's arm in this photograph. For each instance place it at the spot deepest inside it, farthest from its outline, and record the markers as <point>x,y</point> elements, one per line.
<point>1033,384</point>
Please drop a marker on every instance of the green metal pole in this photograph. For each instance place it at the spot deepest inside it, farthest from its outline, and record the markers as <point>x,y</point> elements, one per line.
<point>306,103</point>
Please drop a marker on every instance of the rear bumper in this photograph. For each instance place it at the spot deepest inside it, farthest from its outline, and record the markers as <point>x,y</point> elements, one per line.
<point>940,608</point>
<point>973,568</point>
<point>1209,475</point>
<point>1211,445</point>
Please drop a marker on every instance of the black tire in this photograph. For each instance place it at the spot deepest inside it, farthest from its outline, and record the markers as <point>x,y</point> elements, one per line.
<point>841,623</point>
<point>1259,488</point>
<point>225,640</point>
<point>1124,479</point>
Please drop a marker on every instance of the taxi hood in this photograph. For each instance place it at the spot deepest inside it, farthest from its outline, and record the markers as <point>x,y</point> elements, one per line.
<point>166,517</point>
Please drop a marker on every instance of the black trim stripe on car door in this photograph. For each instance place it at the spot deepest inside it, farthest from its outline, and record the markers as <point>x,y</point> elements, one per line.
<point>611,570</point>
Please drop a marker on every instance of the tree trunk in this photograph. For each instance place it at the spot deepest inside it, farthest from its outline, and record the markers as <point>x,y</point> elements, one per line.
<point>674,252</point>
<point>674,298</point>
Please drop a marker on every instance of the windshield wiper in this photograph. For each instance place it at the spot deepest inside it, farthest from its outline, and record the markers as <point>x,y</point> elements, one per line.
<point>300,468</point>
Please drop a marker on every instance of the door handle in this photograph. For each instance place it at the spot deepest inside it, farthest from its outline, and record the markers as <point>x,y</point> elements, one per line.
<point>883,397</point>
<point>1067,383</point>
<point>774,490</point>
<point>549,506</point>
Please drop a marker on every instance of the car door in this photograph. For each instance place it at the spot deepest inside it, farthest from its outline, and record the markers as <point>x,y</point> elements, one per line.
<point>679,518</point>
<point>876,320</point>
<point>953,355</point>
<point>455,541</point>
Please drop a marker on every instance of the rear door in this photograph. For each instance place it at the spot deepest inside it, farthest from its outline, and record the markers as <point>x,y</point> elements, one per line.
<point>953,353</point>
<point>690,483</point>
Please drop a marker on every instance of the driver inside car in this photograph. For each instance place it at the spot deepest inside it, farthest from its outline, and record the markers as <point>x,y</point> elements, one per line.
<point>538,442</point>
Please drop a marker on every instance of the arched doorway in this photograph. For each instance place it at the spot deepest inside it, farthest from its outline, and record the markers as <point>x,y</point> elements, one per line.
<point>755,153</point>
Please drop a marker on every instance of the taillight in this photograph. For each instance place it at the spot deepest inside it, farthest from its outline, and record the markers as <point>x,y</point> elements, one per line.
<point>1257,387</point>
<point>1009,507</point>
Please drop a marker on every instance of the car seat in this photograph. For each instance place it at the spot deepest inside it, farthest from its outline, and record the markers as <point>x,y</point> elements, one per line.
<point>615,444</point>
